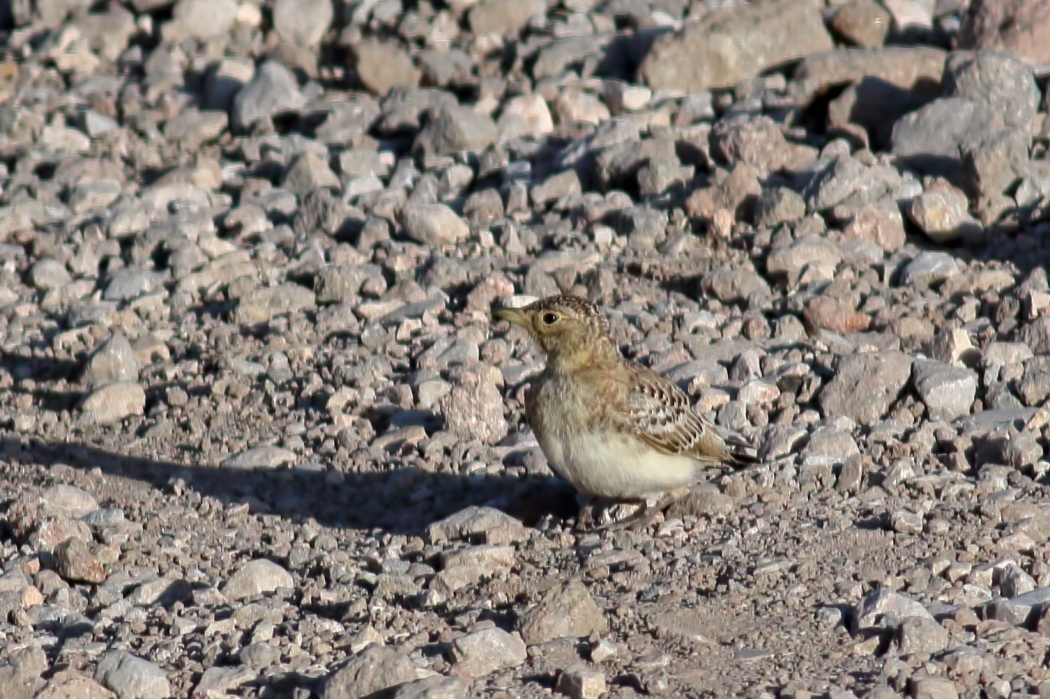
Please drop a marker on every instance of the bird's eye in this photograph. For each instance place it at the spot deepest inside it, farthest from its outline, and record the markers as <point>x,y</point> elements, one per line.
<point>550,318</point>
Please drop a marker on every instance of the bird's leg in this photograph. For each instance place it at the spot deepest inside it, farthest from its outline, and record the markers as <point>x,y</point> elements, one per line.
<point>585,518</point>
<point>647,514</point>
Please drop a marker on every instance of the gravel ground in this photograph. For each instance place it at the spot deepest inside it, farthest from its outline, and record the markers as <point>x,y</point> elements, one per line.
<point>259,438</point>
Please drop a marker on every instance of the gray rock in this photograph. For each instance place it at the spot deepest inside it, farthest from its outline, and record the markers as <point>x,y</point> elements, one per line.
<point>1034,388</point>
<point>777,205</point>
<point>831,442</point>
<point>1022,610</point>
<point>308,172</point>
<point>885,609</point>
<point>132,677</point>
<point>484,652</point>
<point>130,283</point>
<point>756,140</point>
<point>1014,582</point>
<point>454,129</point>
<point>1006,353</point>
<point>906,522</point>
<point>434,225</point>
<point>163,591</point>
<point>995,163</point>
<point>205,19</point>
<point>947,391</point>
<point>806,252</point>
<point>263,304</point>
<point>113,402</point>
<point>866,385</point>
<point>735,44</point>
<point>94,196</point>
<point>259,655</point>
<point>114,360</point>
<point>77,561</point>
<point>487,523</point>
<point>502,16</point>
<point>346,283</point>
<point>264,457</point>
<point>473,410</point>
<point>218,681</point>
<point>272,90</point>
<point>372,670</point>
<point>1036,335</point>
<point>567,610</point>
<point>644,227</point>
<point>921,635</point>
<point>47,274</point>
<point>844,177</point>
<point>257,577</point>
<point>928,268</point>
<point>931,139</point>
<point>69,501</point>
<point>1002,82</point>
<point>20,676</point>
<point>926,687</point>
<point>733,284</point>
<point>432,688</point>
<point>302,22</point>
<point>467,566</point>
<point>943,216</point>
<point>382,65</point>
<point>556,187</point>
<point>702,502</point>
<point>581,683</point>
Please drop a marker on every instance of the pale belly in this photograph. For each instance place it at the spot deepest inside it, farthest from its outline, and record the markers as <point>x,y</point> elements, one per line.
<point>610,466</point>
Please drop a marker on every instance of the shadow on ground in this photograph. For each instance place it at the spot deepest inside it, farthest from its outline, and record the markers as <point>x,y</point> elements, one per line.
<point>402,501</point>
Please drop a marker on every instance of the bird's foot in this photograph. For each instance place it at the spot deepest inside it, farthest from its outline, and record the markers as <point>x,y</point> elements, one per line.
<point>647,514</point>
<point>585,519</point>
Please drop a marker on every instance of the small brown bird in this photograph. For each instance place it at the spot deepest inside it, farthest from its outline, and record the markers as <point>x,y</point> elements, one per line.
<point>613,428</point>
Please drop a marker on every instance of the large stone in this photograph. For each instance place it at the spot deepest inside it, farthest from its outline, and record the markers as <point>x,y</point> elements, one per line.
<point>932,139</point>
<point>566,610</point>
<point>885,609</point>
<point>1002,82</point>
<point>1018,27</point>
<point>502,16</point>
<point>384,65</point>
<point>735,44</point>
<point>132,677</point>
<point>483,652</point>
<point>866,385</point>
<point>435,225</point>
<point>373,670</point>
<point>257,577</point>
<point>473,411</point>
<point>947,391</point>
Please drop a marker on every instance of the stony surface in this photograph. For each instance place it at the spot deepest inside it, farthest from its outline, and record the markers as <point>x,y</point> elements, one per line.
<point>258,434</point>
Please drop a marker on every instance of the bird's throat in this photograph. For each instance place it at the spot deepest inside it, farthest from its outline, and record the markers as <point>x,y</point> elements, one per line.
<point>596,355</point>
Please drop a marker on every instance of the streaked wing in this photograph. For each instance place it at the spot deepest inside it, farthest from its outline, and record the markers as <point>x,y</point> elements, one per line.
<point>660,413</point>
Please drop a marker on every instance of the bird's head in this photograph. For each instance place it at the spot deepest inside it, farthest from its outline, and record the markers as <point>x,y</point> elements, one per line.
<point>571,330</point>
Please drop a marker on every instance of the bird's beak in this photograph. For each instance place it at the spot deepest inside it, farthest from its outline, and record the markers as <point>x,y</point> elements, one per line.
<point>512,315</point>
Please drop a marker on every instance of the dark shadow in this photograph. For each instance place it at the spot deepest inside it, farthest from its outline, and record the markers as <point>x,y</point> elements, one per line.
<point>40,369</point>
<point>43,370</point>
<point>403,500</point>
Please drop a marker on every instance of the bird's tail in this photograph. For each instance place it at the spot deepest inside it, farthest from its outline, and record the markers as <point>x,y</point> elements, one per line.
<point>740,454</point>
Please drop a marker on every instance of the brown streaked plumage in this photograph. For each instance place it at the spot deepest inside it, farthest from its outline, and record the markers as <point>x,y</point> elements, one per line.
<point>611,427</point>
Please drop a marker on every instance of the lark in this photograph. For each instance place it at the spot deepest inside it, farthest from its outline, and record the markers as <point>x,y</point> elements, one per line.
<point>614,429</point>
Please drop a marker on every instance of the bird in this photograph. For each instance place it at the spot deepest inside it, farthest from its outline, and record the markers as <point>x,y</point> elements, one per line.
<point>614,429</point>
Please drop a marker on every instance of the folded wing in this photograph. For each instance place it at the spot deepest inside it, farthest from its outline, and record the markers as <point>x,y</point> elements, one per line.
<point>661,414</point>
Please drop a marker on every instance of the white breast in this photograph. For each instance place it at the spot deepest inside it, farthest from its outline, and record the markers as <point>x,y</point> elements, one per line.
<point>611,466</point>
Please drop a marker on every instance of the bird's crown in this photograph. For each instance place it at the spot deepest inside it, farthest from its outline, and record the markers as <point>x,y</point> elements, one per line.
<point>564,325</point>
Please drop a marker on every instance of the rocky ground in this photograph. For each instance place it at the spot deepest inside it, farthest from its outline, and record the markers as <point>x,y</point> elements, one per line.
<point>259,438</point>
